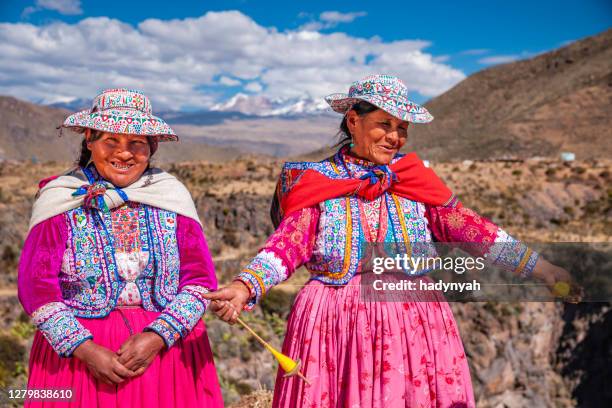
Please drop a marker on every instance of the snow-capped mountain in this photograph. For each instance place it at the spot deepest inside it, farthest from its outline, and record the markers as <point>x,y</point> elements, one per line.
<point>262,106</point>
<point>71,104</point>
<point>241,104</point>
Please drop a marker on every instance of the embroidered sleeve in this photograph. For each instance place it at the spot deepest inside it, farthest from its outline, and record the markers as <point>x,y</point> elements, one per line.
<point>290,246</point>
<point>197,276</point>
<point>181,315</point>
<point>61,329</point>
<point>39,290</point>
<point>459,224</point>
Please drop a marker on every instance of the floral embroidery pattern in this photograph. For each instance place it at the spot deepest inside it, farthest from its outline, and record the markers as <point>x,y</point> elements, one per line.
<point>455,220</point>
<point>90,279</point>
<point>292,247</point>
<point>129,257</point>
<point>339,238</point>
<point>387,92</point>
<point>126,231</point>
<point>493,242</point>
<point>122,111</point>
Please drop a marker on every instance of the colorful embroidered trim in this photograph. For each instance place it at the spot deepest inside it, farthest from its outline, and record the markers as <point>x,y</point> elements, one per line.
<point>385,91</point>
<point>165,330</point>
<point>60,327</point>
<point>90,281</point>
<point>122,111</point>
<point>527,264</point>
<point>265,271</point>
<point>181,315</point>
<point>511,254</point>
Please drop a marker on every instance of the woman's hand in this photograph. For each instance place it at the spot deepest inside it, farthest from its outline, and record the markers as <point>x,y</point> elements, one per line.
<point>102,363</point>
<point>559,281</point>
<point>139,350</point>
<point>228,302</point>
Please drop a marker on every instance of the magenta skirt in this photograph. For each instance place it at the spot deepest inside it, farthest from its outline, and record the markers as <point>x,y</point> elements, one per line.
<point>183,376</point>
<point>372,354</point>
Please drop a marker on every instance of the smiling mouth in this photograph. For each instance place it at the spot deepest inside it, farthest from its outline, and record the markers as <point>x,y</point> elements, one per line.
<point>122,166</point>
<point>387,149</point>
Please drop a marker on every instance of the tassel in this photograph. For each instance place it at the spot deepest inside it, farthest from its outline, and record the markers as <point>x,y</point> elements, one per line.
<point>290,367</point>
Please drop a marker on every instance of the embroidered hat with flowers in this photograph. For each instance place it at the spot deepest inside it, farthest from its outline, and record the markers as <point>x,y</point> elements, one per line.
<point>387,92</point>
<point>121,111</point>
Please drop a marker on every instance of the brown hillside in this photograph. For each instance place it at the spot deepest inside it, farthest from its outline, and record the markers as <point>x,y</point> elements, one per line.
<point>29,131</point>
<point>557,101</point>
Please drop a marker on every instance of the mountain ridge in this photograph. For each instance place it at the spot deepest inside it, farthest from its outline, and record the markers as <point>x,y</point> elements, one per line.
<point>31,132</point>
<point>556,101</point>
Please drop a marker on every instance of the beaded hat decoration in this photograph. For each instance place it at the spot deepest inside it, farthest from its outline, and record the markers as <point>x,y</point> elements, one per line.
<point>387,92</point>
<point>122,111</point>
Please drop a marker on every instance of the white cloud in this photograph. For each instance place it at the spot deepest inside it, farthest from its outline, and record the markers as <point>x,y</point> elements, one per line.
<point>442,58</point>
<point>254,87</point>
<point>503,59</point>
<point>476,51</point>
<point>28,10</point>
<point>175,61</point>
<point>67,7</point>
<point>313,26</point>
<point>229,81</point>
<point>330,19</point>
<point>337,17</point>
<point>498,59</point>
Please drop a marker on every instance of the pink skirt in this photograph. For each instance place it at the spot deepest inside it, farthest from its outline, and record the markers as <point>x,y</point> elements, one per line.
<point>372,354</point>
<point>183,376</point>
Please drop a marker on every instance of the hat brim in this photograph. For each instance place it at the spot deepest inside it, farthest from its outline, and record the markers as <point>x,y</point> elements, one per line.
<point>401,108</point>
<point>126,121</point>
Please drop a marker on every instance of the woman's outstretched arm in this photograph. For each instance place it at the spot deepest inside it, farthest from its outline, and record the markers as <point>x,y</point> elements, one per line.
<point>290,246</point>
<point>483,237</point>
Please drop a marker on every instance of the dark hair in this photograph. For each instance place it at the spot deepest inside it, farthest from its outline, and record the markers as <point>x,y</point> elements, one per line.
<point>85,152</point>
<point>85,155</point>
<point>362,108</point>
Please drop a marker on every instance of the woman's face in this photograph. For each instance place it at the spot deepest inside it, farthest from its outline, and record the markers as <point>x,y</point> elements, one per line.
<point>119,158</point>
<point>377,136</point>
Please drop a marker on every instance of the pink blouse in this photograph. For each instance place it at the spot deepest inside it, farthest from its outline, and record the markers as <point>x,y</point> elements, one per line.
<point>39,289</point>
<point>293,242</point>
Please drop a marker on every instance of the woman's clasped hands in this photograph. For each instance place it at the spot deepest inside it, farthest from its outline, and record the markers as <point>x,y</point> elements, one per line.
<point>131,360</point>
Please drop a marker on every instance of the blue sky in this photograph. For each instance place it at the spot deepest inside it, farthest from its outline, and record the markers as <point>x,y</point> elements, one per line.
<point>447,40</point>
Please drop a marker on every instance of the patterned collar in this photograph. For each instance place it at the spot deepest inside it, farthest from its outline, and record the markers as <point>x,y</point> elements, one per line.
<point>357,167</point>
<point>348,158</point>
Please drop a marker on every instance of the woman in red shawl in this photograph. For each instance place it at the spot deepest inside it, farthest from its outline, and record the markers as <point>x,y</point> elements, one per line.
<point>377,353</point>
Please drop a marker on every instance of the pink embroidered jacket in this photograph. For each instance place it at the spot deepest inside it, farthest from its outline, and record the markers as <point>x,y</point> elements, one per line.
<point>327,238</point>
<point>44,274</point>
